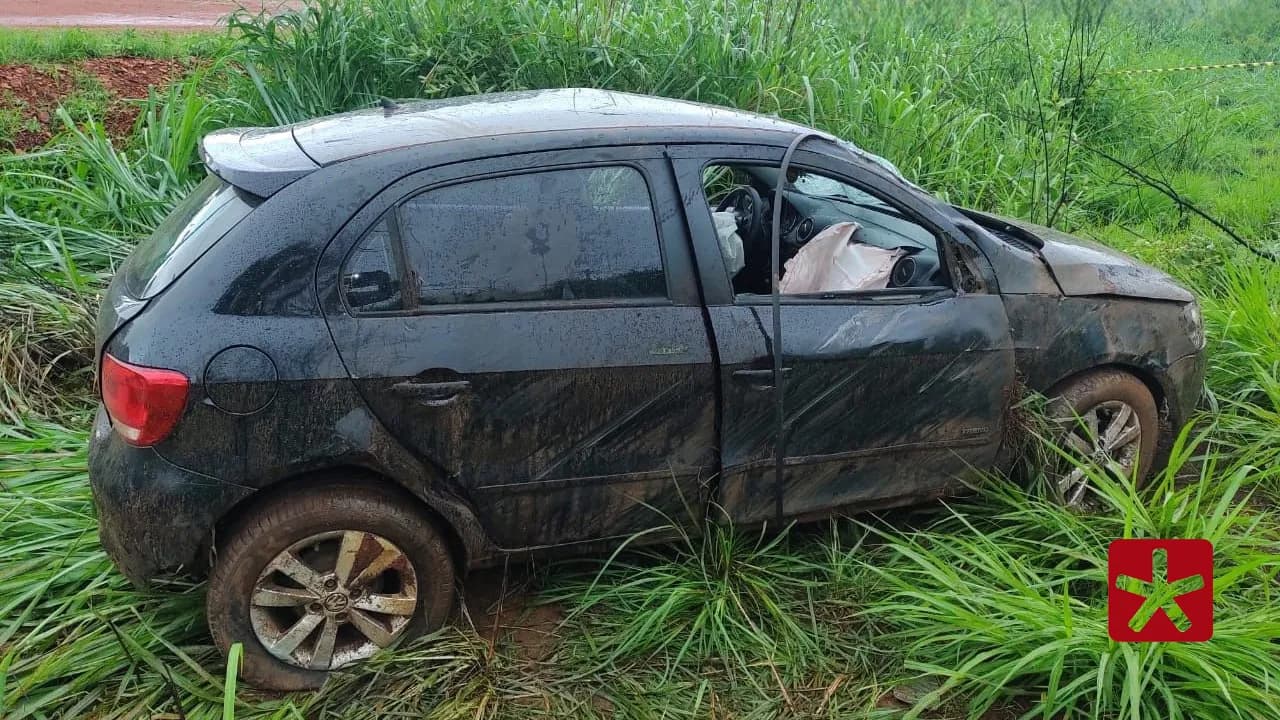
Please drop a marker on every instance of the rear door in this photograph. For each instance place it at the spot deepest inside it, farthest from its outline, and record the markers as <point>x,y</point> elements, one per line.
<point>890,396</point>
<point>531,327</point>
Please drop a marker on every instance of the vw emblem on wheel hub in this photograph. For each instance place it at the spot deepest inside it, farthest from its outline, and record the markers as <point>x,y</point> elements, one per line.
<point>336,602</point>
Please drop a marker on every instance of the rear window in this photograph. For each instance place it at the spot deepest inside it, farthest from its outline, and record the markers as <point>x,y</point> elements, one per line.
<point>212,209</point>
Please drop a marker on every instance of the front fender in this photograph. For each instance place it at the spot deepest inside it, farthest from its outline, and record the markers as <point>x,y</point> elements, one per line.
<point>1056,337</point>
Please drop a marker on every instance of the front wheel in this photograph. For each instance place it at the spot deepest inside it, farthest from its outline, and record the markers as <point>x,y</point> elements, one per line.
<point>314,580</point>
<point>1106,416</point>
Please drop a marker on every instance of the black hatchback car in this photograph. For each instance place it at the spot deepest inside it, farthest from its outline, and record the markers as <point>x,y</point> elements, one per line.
<point>374,350</point>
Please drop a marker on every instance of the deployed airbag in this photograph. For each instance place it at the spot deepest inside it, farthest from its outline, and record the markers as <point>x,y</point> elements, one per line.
<point>730,242</point>
<point>833,261</point>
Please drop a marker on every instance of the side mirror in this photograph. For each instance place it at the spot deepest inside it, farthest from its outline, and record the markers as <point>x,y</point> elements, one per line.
<point>369,288</point>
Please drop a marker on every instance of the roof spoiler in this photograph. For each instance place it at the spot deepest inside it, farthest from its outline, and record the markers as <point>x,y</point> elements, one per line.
<point>260,161</point>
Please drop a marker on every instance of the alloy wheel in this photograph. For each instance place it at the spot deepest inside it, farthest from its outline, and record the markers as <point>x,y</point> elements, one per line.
<point>1107,434</point>
<point>333,598</point>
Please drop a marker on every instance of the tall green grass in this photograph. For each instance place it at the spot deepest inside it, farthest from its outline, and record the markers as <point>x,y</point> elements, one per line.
<point>1006,599</point>
<point>910,85</point>
<point>1244,367</point>
<point>740,599</point>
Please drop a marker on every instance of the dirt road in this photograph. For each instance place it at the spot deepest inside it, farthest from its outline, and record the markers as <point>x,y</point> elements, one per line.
<point>121,14</point>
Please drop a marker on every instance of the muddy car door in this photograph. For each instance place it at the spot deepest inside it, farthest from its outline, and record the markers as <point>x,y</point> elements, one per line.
<point>891,394</point>
<point>530,326</point>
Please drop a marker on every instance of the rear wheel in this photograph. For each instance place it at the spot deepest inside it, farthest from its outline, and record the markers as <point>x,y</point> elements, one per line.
<point>1108,417</point>
<point>311,581</point>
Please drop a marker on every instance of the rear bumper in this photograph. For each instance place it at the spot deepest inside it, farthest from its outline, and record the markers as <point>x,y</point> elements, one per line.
<point>153,516</point>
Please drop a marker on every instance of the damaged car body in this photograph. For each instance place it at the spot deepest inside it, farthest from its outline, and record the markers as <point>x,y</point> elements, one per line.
<point>374,350</point>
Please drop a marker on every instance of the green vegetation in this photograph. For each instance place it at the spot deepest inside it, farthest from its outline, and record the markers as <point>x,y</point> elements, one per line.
<point>20,45</point>
<point>1009,593</point>
<point>994,602</point>
<point>12,120</point>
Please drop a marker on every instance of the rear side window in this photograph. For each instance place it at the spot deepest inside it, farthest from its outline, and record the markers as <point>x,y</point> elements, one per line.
<point>199,221</point>
<point>371,276</point>
<point>573,234</point>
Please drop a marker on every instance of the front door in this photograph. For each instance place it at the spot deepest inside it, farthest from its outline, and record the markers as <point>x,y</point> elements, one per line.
<point>889,394</point>
<point>534,332</point>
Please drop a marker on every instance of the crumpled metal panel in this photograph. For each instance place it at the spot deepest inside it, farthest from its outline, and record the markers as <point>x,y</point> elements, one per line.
<point>1084,267</point>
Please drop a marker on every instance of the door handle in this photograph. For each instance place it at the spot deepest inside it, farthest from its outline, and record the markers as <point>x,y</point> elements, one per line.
<point>432,394</point>
<point>758,379</point>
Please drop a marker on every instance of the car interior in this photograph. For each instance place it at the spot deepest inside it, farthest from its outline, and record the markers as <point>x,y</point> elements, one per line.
<point>835,238</point>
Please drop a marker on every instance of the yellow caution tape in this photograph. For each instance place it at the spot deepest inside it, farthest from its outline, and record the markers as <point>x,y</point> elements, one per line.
<point>1220,66</point>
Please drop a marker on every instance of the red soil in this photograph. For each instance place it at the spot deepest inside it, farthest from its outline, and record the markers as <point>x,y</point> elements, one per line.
<point>35,92</point>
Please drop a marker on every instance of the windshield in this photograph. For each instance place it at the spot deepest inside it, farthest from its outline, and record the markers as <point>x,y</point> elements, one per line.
<point>825,187</point>
<point>857,204</point>
<point>212,209</point>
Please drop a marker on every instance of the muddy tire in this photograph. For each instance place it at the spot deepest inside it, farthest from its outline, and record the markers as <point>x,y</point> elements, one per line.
<point>312,580</point>
<point>1104,414</point>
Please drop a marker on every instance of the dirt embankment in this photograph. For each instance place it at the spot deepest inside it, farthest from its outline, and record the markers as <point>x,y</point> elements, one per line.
<point>103,87</point>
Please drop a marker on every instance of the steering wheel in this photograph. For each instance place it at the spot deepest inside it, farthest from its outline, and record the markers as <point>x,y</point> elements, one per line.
<point>748,212</point>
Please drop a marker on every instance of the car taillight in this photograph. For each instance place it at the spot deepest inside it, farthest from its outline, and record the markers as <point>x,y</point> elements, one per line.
<point>144,403</point>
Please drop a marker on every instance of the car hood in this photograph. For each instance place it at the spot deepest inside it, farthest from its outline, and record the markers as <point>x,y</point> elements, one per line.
<point>1084,267</point>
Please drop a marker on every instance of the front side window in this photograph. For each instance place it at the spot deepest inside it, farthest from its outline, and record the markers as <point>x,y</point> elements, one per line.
<point>573,234</point>
<point>835,238</point>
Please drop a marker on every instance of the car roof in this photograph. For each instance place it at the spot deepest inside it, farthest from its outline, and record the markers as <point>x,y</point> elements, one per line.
<point>341,137</point>
<point>263,160</point>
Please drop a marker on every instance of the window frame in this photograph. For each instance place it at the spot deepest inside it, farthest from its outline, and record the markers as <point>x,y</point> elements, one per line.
<point>412,304</point>
<point>843,297</point>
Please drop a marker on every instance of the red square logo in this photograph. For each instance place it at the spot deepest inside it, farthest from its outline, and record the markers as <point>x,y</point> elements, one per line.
<point>1160,590</point>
